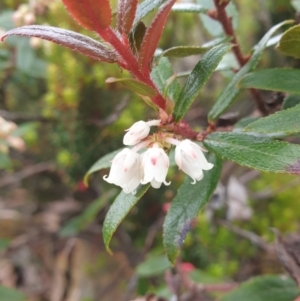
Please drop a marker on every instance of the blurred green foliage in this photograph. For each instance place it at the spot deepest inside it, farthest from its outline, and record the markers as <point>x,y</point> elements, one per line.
<point>67,94</point>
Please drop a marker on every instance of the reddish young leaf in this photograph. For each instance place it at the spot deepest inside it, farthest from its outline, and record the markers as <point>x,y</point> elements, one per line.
<point>153,35</point>
<point>92,14</point>
<point>69,39</point>
<point>126,15</point>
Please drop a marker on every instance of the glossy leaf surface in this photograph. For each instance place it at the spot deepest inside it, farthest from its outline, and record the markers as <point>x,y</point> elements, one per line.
<point>91,14</point>
<point>190,199</point>
<point>153,35</point>
<point>198,77</point>
<point>230,92</point>
<point>147,7</point>
<point>118,210</point>
<point>189,8</point>
<point>283,80</point>
<point>160,74</point>
<point>286,121</point>
<point>263,288</point>
<point>183,51</point>
<point>256,152</point>
<point>69,39</point>
<point>291,101</point>
<point>289,43</point>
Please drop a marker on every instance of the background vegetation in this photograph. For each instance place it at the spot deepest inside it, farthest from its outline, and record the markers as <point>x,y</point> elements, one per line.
<point>50,222</point>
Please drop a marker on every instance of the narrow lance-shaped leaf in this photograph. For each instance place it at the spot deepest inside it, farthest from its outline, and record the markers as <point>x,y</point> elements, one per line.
<point>189,8</point>
<point>183,51</point>
<point>286,122</point>
<point>153,35</point>
<point>198,77</point>
<point>256,152</point>
<point>263,288</point>
<point>189,200</point>
<point>147,7</point>
<point>282,80</point>
<point>126,15</point>
<point>69,39</point>
<point>291,101</point>
<point>160,74</point>
<point>289,43</point>
<point>118,210</point>
<point>133,85</point>
<point>230,92</point>
<point>91,14</point>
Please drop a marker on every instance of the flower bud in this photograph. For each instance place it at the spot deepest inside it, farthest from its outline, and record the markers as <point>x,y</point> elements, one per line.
<point>136,133</point>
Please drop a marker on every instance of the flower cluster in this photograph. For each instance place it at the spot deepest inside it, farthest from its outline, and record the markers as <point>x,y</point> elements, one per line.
<point>130,168</point>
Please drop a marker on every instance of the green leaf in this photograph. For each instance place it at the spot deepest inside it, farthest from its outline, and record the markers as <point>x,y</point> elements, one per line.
<point>183,51</point>
<point>79,223</point>
<point>244,122</point>
<point>160,75</point>
<point>104,162</point>
<point>198,77</point>
<point>283,80</point>
<point>290,101</point>
<point>8,294</point>
<point>230,92</point>
<point>133,85</point>
<point>286,122</point>
<point>118,210</point>
<point>147,7</point>
<point>190,199</point>
<point>256,152</point>
<point>289,43</point>
<point>189,8</point>
<point>263,288</point>
<point>153,266</point>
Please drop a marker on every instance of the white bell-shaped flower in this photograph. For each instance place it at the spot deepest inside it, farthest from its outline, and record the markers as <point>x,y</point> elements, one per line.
<point>191,160</point>
<point>125,170</point>
<point>136,133</point>
<point>155,165</point>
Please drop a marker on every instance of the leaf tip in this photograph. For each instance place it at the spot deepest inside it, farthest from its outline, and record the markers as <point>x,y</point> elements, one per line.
<point>86,180</point>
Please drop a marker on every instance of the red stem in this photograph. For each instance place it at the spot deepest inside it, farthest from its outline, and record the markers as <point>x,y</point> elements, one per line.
<point>131,63</point>
<point>226,22</point>
<point>222,17</point>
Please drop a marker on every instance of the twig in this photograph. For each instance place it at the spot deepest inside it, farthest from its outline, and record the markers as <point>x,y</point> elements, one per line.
<point>220,15</point>
<point>25,173</point>
<point>20,117</point>
<point>252,237</point>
